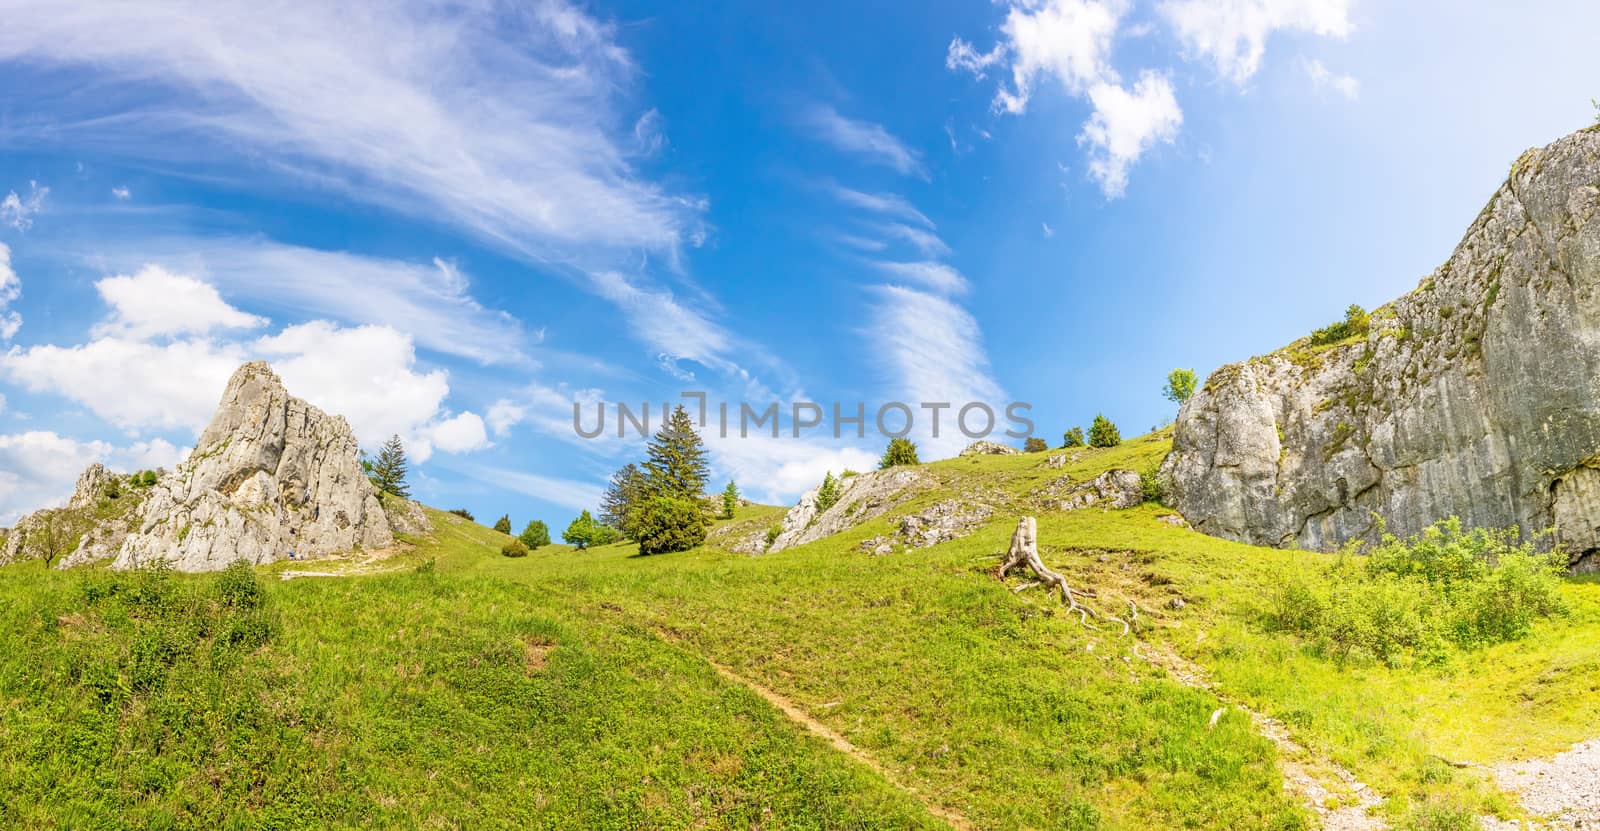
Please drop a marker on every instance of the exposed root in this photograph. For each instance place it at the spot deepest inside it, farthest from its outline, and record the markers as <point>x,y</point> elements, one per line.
<point>1024,551</point>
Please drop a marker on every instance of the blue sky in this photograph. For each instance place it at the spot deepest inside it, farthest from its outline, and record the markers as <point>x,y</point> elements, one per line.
<point>452,220</point>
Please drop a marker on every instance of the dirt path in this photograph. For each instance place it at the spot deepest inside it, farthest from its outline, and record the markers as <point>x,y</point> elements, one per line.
<point>1564,789</point>
<point>799,716</point>
<point>1320,783</point>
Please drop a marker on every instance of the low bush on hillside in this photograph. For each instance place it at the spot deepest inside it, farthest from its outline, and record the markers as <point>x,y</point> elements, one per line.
<point>1034,444</point>
<point>464,514</point>
<point>1415,598</point>
<point>667,525</point>
<point>1356,322</point>
<point>515,548</point>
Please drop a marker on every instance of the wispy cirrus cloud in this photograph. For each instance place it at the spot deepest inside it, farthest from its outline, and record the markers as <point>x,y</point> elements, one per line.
<point>864,139</point>
<point>506,119</point>
<point>10,290</point>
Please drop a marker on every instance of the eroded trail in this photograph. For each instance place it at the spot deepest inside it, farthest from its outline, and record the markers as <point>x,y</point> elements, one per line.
<point>1320,783</point>
<point>1564,789</point>
<point>799,716</point>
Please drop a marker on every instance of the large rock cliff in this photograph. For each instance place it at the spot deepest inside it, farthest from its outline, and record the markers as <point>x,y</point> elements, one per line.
<point>1476,395</point>
<point>270,477</point>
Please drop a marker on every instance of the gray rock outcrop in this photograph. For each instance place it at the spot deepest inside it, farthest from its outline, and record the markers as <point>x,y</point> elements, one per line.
<point>1114,489</point>
<point>99,515</point>
<point>1476,395</point>
<point>989,448</point>
<point>270,477</point>
<point>862,497</point>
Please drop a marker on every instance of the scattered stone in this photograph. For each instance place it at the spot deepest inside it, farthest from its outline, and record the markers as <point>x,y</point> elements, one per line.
<point>1565,789</point>
<point>990,448</point>
<point>1056,462</point>
<point>406,517</point>
<point>1177,604</point>
<point>1472,396</point>
<point>1174,520</point>
<point>1113,489</point>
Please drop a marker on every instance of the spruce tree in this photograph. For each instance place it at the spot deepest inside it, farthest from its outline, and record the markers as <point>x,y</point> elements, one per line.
<point>730,500</point>
<point>389,470</point>
<point>626,492</point>
<point>676,464</point>
<point>1102,433</point>
<point>828,494</point>
<point>503,524</point>
<point>1072,438</point>
<point>899,452</point>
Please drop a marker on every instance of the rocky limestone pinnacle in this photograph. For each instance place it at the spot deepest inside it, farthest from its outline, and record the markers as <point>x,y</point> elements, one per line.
<point>1477,395</point>
<point>271,477</point>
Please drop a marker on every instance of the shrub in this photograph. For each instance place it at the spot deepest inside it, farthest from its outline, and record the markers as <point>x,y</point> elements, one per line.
<point>535,535</point>
<point>1102,433</point>
<point>514,548</point>
<point>1072,438</point>
<point>667,524</point>
<point>1153,485</point>
<point>464,514</point>
<point>899,452</point>
<point>238,587</point>
<point>1180,386</point>
<point>1034,444</point>
<point>503,524</point>
<point>773,532</point>
<point>1356,322</point>
<point>1415,598</point>
<point>828,494</point>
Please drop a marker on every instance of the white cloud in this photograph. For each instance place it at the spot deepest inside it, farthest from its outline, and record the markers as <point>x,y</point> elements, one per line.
<point>1069,40</point>
<point>933,351</point>
<point>18,211</point>
<point>862,138</point>
<point>463,433</point>
<point>122,193</point>
<point>38,470</point>
<point>888,204</point>
<point>430,301</point>
<point>928,244</point>
<point>129,383</point>
<point>366,374</point>
<point>1322,77</point>
<point>674,330</point>
<point>937,276</point>
<point>155,302</point>
<point>1047,230</point>
<point>10,290</point>
<point>1127,123</point>
<point>779,470</point>
<point>506,119</point>
<point>504,415</point>
<point>1233,33</point>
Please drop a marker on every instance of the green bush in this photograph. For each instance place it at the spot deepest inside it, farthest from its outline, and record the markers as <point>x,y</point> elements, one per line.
<point>503,524</point>
<point>1072,438</point>
<point>1153,485</point>
<point>899,452</point>
<point>828,494</point>
<point>1180,386</point>
<point>535,535</point>
<point>1034,444</point>
<point>667,525</point>
<point>1356,322</point>
<point>238,586</point>
<point>1414,599</point>
<point>464,514</point>
<point>1102,433</point>
<point>773,532</point>
<point>514,548</point>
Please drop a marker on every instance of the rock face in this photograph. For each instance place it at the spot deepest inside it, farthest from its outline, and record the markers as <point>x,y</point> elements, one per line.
<point>1476,395</point>
<point>943,521</point>
<point>989,448</point>
<point>270,477</point>
<point>862,497</point>
<point>1115,489</point>
<point>100,512</point>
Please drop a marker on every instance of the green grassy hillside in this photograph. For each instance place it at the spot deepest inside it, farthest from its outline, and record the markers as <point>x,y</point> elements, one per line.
<point>819,687</point>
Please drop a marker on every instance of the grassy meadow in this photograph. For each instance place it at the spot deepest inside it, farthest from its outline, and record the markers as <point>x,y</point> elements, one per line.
<point>456,688</point>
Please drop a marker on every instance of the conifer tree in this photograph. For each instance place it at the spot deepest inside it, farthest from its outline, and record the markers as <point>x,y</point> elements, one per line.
<point>627,491</point>
<point>676,465</point>
<point>1073,437</point>
<point>730,500</point>
<point>503,524</point>
<point>899,452</point>
<point>389,470</point>
<point>828,494</point>
<point>1102,433</point>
